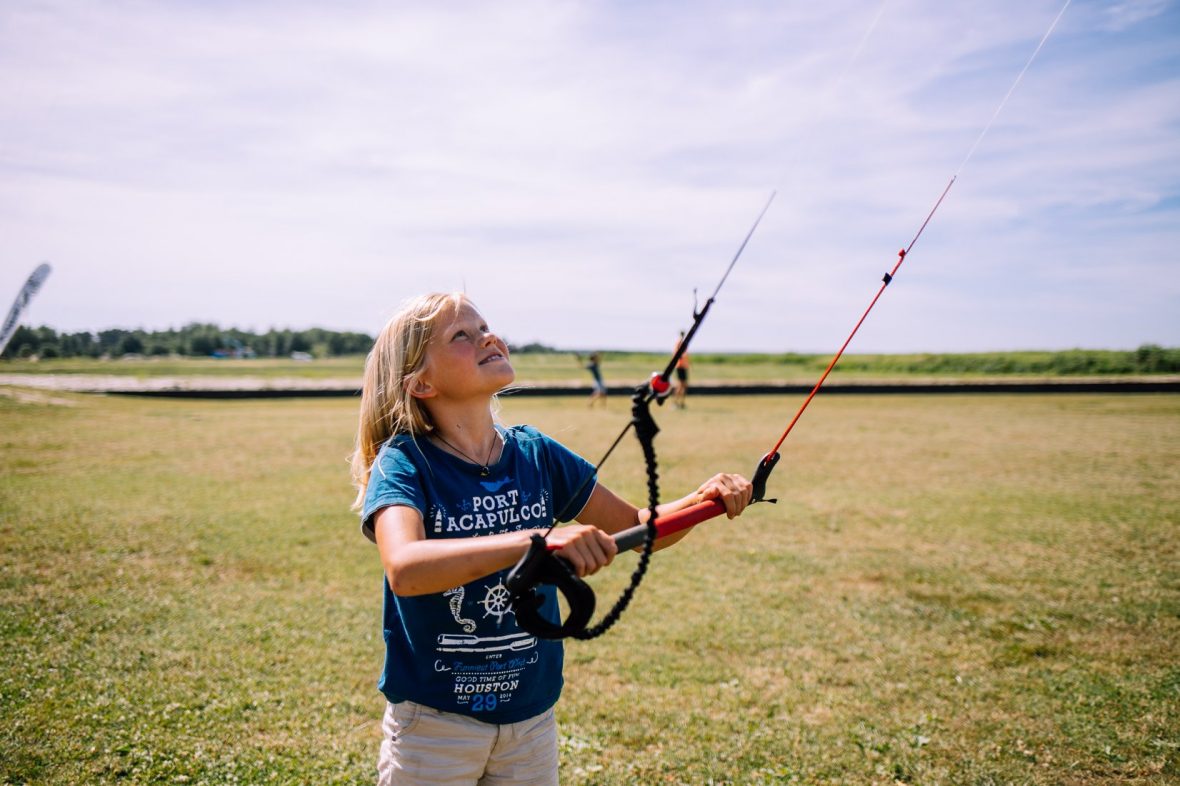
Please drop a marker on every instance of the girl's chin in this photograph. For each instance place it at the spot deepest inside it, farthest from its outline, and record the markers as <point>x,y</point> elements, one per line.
<point>502,370</point>
<point>504,362</point>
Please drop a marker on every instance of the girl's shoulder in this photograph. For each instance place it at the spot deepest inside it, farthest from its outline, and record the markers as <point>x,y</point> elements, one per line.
<point>398,442</point>
<point>525,438</point>
<point>521,431</point>
<point>400,449</point>
<point>524,435</point>
<point>530,440</point>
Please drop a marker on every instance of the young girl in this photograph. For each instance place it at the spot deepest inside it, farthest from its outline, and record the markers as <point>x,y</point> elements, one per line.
<point>451,499</point>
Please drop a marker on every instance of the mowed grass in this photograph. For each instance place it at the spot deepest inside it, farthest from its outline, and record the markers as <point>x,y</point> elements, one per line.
<point>951,589</point>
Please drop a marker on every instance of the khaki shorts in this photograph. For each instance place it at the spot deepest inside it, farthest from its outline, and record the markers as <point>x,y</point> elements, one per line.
<point>423,745</point>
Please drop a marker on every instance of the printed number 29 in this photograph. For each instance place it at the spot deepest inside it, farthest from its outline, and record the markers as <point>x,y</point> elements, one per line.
<point>484,702</point>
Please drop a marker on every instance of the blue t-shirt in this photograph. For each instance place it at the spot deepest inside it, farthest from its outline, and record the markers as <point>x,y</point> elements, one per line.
<point>461,650</point>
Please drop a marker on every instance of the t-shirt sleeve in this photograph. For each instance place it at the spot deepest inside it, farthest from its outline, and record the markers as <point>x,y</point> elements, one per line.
<point>574,479</point>
<point>393,480</point>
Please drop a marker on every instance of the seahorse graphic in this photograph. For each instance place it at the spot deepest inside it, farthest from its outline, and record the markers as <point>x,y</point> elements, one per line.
<point>456,594</point>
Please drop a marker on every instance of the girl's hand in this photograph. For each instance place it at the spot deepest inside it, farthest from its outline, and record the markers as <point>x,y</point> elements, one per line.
<point>585,547</point>
<point>733,491</point>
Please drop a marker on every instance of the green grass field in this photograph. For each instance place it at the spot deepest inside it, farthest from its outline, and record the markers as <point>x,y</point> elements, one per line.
<point>951,590</point>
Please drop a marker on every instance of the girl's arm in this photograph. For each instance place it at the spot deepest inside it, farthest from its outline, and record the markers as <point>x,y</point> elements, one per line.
<point>417,566</point>
<point>609,512</point>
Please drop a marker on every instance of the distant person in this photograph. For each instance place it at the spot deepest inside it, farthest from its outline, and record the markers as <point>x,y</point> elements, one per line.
<point>598,392</point>
<point>452,499</point>
<point>681,391</point>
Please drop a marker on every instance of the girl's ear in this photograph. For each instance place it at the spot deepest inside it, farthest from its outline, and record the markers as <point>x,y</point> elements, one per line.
<point>418,387</point>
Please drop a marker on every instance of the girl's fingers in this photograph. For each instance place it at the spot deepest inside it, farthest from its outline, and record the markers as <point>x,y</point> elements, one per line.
<point>601,548</point>
<point>598,557</point>
<point>587,549</point>
<point>733,491</point>
<point>590,557</point>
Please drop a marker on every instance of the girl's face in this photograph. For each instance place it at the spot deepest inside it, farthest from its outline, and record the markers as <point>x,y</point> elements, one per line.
<point>464,358</point>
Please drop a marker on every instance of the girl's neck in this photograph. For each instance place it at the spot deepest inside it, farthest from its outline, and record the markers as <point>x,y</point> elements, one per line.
<point>471,431</point>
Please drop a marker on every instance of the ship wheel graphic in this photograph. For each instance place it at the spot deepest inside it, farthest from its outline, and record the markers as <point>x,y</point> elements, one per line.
<point>497,602</point>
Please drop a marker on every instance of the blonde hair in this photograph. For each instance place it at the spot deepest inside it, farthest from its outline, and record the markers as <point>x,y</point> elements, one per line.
<point>393,365</point>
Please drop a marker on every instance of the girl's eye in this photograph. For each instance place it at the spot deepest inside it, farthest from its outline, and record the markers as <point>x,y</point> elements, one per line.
<point>459,335</point>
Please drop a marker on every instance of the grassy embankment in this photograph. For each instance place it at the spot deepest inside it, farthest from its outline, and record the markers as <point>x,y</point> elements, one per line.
<point>952,590</point>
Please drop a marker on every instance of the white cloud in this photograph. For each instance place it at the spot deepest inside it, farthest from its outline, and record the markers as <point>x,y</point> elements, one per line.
<point>1128,13</point>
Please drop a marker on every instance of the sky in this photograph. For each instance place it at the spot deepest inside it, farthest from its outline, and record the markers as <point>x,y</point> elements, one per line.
<point>585,171</point>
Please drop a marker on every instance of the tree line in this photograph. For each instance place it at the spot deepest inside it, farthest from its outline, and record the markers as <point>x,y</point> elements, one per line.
<point>206,340</point>
<point>193,340</point>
